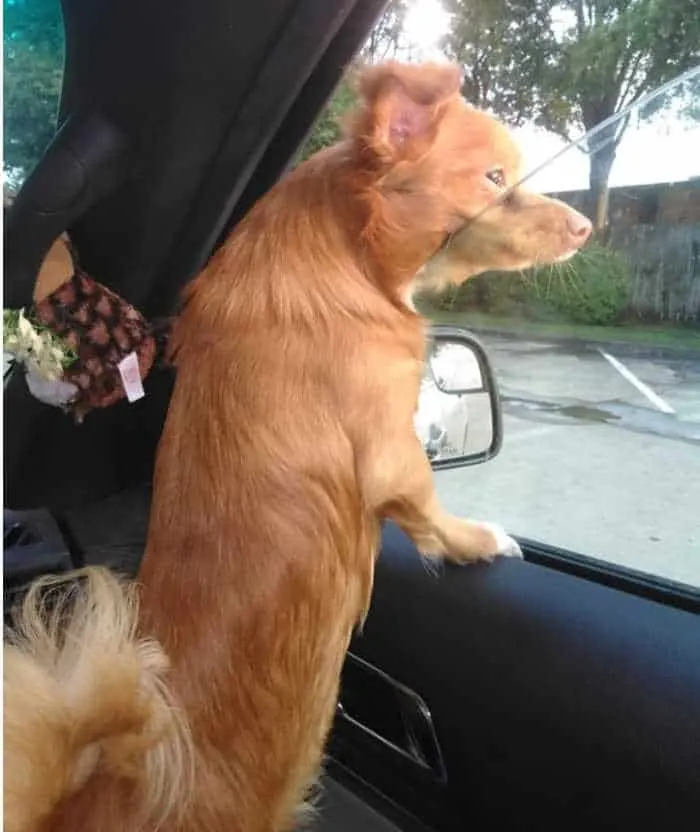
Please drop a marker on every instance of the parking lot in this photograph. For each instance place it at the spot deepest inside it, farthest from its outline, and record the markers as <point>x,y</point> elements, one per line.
<point>601,454</point>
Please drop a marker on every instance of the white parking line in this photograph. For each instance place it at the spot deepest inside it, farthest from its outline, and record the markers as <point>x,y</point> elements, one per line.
<point>653,397</point>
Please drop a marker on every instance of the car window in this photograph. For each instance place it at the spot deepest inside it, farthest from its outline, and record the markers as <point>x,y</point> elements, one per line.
<point>33,72</point>
<point>598,359</point>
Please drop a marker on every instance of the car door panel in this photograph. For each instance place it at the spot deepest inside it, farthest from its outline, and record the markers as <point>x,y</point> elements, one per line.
<point>553,698</point>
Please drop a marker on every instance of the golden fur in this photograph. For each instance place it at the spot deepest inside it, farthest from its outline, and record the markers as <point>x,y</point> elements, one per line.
<point>84,695</point>
<point>288,439</point>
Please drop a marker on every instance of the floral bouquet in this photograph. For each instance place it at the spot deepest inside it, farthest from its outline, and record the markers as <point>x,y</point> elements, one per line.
<point>83,347</point>
<point>44,356</point>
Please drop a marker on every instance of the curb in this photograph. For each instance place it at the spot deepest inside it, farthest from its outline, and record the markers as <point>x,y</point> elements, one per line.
<point>624,348</point>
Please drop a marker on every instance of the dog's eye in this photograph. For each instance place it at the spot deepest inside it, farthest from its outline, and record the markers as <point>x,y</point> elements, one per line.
<point>497,176</point>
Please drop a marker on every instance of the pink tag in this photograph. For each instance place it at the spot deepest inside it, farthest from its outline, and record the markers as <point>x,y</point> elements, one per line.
<point>131,377</point>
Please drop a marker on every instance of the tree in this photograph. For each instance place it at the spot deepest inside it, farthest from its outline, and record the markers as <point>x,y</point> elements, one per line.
<point>33,42</point>
<point>568,65</point>
<point>613,53</point>
<point>385,39</point>
<point>383,43</point>
<point>505,48</point>
<point>327,129</point>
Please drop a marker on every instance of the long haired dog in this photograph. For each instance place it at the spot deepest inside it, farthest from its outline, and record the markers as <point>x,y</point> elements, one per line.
<point>289,438</point>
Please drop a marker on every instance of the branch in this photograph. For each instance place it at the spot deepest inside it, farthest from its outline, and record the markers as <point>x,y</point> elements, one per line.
<point>580,20</point>
<point>459,50</point>
<point>622,98</point>
<point>620,129</point>
<point>562,132</point>
<point>624,67</point>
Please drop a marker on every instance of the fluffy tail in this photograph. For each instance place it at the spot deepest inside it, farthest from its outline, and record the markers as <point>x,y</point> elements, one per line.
<point>84,694</point>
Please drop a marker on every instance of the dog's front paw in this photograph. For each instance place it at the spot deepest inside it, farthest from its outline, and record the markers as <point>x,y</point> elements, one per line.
<point>504,543</point>
<point>467,541</point>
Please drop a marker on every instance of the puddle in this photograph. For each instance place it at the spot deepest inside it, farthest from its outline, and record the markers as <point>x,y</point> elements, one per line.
<point>582,412</point>
<point>587,413</point>
<point>640,420</point>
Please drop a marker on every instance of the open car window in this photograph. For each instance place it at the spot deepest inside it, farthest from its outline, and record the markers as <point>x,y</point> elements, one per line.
<point>33,42</point>
<point>598,358</point>
<point>33,57</point>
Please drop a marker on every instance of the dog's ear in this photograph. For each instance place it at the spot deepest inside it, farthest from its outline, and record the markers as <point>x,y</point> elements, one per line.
<point>402,106</point>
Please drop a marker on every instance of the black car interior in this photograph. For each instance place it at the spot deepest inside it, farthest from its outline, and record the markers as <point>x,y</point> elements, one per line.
<point>513,696</point>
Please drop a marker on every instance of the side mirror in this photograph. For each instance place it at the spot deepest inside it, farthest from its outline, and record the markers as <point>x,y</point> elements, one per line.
<point>459,418</point>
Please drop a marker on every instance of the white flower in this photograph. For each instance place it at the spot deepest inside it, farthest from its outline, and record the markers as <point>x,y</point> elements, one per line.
<point>24,327</point>
<point>42,353</point>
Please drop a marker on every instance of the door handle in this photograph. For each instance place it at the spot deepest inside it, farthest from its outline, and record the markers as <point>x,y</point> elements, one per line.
<point>390,713</point>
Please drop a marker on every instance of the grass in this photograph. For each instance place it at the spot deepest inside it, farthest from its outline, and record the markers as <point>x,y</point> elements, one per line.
<point>652,335</point>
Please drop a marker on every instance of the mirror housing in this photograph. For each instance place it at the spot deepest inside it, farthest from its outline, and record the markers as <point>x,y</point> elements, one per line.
<point>459,418</point>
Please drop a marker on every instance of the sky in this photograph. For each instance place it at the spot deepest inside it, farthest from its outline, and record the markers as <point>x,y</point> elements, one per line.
<point>665,150</point>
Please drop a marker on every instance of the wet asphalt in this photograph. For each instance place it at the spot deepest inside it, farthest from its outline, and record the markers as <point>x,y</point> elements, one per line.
<point>591,461</point>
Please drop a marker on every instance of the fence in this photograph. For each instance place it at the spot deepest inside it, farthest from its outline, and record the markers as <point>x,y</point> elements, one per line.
<point>665,266</point>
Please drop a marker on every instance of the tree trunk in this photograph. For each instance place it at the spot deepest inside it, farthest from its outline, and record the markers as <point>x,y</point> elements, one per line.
<point>601,162</point>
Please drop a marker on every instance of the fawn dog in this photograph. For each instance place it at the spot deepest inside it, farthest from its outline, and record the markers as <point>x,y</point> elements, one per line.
<point>289,437</point>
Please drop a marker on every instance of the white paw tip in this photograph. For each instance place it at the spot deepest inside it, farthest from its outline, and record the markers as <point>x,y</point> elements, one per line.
<point>506,546</point>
